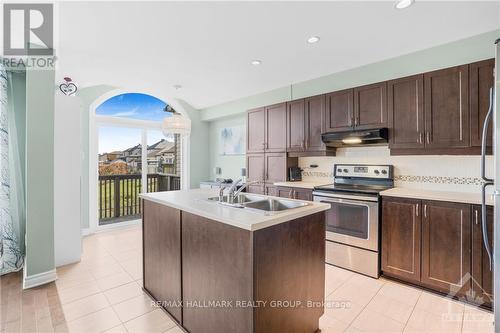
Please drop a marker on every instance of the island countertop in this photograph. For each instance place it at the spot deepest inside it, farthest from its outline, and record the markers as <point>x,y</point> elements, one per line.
<point>195,201</point>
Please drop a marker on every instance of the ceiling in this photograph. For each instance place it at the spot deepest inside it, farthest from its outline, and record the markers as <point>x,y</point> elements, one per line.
<point>207,47</point>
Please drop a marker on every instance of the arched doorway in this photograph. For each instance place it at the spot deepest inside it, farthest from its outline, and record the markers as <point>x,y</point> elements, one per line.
<point>128,155</point>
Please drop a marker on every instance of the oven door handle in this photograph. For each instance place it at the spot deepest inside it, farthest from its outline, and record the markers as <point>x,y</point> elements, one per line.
<point>342,197</point>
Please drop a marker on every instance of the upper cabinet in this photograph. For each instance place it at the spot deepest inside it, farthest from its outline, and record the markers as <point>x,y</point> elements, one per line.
<point>340,110</point>
<point>275,128</point>
<point>296,117</point>
<point>266,129</point>
<point>256,134</point>
<point>370,106</point>
<point>406,112</point>
<point>447,108</point>
<point>480,83</point>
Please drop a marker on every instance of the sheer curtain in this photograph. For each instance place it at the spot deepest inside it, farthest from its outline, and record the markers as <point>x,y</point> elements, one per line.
<point>11,188</point>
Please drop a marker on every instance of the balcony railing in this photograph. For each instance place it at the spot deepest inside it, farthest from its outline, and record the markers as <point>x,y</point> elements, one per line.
<point>119,194</point>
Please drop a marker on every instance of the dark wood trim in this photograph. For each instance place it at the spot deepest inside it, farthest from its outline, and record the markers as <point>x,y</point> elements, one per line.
<point>329,152</point>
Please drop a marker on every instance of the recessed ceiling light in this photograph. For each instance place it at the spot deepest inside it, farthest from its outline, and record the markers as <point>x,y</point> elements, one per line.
<point>402,4</point>
<point>256,62</point>
<point>313,39</point>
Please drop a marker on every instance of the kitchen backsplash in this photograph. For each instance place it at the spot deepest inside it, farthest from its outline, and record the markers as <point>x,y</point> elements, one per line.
<point>440,173</point>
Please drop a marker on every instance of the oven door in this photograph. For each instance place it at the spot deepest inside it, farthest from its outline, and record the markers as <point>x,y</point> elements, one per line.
<point>351,220</point>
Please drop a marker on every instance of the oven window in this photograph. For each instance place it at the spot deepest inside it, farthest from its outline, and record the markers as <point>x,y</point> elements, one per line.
<point>347,219</point>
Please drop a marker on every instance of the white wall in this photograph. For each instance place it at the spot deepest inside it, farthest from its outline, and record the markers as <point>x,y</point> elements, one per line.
<point>67,179</point>
<point>440,173</point>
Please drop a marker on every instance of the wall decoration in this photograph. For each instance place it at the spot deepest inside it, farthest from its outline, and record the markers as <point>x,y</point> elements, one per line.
<point>68,88</point>
<point>232,140</point>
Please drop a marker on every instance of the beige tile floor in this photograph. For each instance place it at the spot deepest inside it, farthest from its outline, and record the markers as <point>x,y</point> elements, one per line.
<point>103,293</point>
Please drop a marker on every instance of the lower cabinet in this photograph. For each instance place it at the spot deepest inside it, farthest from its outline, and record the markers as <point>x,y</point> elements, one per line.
<point>294,193</point>
<point>446,247</point>
<point>437,245</point>
<point>482,283</point>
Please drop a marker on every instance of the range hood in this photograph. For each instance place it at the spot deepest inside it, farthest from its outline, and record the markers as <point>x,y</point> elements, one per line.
<point>354,138</point>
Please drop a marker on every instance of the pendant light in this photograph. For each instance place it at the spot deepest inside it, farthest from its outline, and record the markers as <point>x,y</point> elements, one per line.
<point>176,123</point>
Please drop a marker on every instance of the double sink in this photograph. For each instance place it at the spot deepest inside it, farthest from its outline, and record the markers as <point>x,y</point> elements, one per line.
<point>268,205</point>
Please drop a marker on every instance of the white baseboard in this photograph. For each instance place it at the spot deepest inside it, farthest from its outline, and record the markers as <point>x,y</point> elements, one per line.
<point>86,231</point>
<point>39,279</point>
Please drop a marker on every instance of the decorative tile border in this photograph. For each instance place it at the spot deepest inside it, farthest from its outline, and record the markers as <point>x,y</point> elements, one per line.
<point>412,179</point>
<point>440,180</point>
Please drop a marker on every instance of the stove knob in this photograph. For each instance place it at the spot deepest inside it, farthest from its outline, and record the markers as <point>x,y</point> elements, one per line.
<point>346,171</point>
<point>339,170</point>
<point>384,172</point>
<point>376,172</point>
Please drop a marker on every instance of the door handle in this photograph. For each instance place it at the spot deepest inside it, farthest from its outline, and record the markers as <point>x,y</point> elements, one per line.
<point>484,229</point>
<point>483,138</point>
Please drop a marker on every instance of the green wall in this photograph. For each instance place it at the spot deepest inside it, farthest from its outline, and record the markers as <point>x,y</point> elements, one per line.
<point>39,171</point>
<point>231,164</point>
<point>460,52</point>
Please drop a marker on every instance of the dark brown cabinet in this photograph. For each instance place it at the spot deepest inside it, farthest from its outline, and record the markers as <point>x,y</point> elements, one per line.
<point>295,193</point>
<point>446,247</point>
<point>275,128</point>
<point>255,167</point>
<point>482,283</point>
<point>438,245</point>
<point>256,134</point>
<point>447,108</point>
<point>406,112</point>
<point>339,115</point>
<point>275,167</point>
<point>370,106</point>
<point>296,117</point>
<point>162,255</point>
<point>480,82</point>
<point>401,231</point>
<point>306,123</point>
<point>256,189</point>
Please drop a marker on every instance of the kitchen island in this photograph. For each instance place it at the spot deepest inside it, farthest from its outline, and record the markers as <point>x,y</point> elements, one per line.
<point>216,268</point>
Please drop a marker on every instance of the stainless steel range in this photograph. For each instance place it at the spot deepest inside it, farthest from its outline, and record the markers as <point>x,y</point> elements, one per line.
<point>352,222</point>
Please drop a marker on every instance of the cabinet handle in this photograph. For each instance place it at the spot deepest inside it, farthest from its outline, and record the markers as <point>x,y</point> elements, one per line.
<point>356,121</point>
<point>294,194</point>
<point>306,144</point>
<point>476,217</point>
<point>425,211</point>
<point>302,144</point>
<point>290,194</point>
<point>428,137</point>
<point>416,209</point>
<point>460,101</point>
<point>420,137</point>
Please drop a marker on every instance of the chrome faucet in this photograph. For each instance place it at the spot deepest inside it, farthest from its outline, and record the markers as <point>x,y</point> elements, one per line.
<point>233,188</point>
<point>221,190</point>
<point>234,194</point>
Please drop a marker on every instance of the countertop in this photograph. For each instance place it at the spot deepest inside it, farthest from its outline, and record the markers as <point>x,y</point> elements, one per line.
<point>195,201</point>
<point>462,197</point>
<point>303,184</point>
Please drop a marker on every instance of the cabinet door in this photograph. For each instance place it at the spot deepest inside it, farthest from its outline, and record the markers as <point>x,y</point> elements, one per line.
<point>314,123</point>
<point>302,194</point>
<point>271,190</point>
<point>339,114</point>
<point>370,106</point>
<point>446,247</point>
<point>256,189</point>
<point>447,108</point>
<point>255,167</point>
<point>481,81</point>
<point>162,254</point>
<point>296,127</point>
<point>276,128</point>
<point>275,167</point>
<point>256,130</point>
<point>285,192</point>
<point>482,285</point>
<point>406,112</point>
<point>401,231</point>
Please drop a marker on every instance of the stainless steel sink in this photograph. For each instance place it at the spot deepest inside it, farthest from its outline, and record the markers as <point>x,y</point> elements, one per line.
<point>275,205</point>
